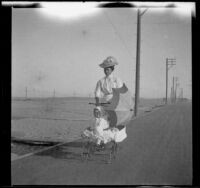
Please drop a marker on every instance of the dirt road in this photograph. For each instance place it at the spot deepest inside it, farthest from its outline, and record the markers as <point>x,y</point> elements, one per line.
<point>157,151</point>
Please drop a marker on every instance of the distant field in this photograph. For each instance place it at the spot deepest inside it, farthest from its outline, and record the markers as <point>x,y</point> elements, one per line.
<point>56,118</point>
<point>58,108</point>
<point>62,108</point>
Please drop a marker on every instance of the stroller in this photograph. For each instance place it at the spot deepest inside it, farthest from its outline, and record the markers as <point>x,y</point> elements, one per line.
<point>119,112</point>
<point>110,148</point>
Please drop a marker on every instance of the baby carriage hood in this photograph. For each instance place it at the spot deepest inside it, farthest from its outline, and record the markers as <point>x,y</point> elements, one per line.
<point>120,135</point>
<point>120,107</point>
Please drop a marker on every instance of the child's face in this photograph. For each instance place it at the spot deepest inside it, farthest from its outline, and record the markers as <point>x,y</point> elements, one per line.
<point>97,113</point>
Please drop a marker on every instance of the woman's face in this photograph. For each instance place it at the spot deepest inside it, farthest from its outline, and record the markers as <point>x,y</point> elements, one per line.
<point>107,71</point>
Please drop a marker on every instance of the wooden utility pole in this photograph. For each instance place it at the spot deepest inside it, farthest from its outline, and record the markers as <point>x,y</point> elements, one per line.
<point>54,93</point>
<point>137,75</point>
<point>173,89</point>
<point>171,63</point>
<point>176,86</point>
<point>166,80</point>
<point>26,92</point>
<point>74,94</point>
<point>181,94</point>
<point>171,95</point>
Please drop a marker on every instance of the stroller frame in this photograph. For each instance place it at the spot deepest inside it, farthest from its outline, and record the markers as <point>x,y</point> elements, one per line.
<point>90,148</point>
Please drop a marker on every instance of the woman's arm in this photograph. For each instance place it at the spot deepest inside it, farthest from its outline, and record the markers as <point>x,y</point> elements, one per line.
<point>119,82</point>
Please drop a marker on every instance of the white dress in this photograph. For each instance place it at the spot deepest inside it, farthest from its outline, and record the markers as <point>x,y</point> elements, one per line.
<point>100,132</point>
<point>104,87</point>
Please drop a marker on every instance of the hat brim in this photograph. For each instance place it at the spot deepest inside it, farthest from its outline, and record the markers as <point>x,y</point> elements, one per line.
<point>110,64</point>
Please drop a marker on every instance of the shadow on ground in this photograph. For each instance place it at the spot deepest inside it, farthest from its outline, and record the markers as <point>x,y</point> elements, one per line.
<point>73,152</point>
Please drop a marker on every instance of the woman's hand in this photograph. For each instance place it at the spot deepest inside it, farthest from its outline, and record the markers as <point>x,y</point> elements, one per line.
<point>90,129</point>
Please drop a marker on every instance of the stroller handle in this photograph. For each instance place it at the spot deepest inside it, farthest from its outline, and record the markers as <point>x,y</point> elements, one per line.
<point>101,104</point>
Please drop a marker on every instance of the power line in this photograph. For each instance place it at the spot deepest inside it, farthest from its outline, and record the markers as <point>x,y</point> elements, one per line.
<point>165,23</point>
<point>117,33</point>
<point>162,23</point>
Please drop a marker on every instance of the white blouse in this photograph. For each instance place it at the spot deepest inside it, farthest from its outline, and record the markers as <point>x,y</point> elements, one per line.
<point>104,86</point>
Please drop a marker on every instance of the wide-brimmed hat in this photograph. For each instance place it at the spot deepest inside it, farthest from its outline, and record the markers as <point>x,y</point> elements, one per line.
<point>109,62</point>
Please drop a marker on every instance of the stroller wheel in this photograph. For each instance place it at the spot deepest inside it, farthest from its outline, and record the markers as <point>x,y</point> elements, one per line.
<point>112,153</point>
<point>114,150</point>
<point>88,150</point>
<point>110,158</point>
<point>85,153</point>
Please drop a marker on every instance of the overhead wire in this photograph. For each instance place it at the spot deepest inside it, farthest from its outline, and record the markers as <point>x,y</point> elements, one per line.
<point>117,33</point>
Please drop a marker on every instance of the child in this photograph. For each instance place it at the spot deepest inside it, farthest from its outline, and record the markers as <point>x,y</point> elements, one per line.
<point>101,131</point>
<point>96,131</point>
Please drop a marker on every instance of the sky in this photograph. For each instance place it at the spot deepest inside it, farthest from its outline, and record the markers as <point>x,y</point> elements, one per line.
<point>61,57</point>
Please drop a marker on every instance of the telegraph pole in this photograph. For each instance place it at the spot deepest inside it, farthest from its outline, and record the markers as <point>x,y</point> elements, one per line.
<point>26,92</point>
<point>166,80</point>
<point>137,75</point>
<point>74,94</point>
<point>54,93</point>
<point>177,84</point>
<point>173,89</point>
<point>169,62</point>
<point>181,97</point>
<point>171,95</point>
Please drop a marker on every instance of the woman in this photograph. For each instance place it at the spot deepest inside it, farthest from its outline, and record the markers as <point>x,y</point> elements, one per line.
<point>105,85</point>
